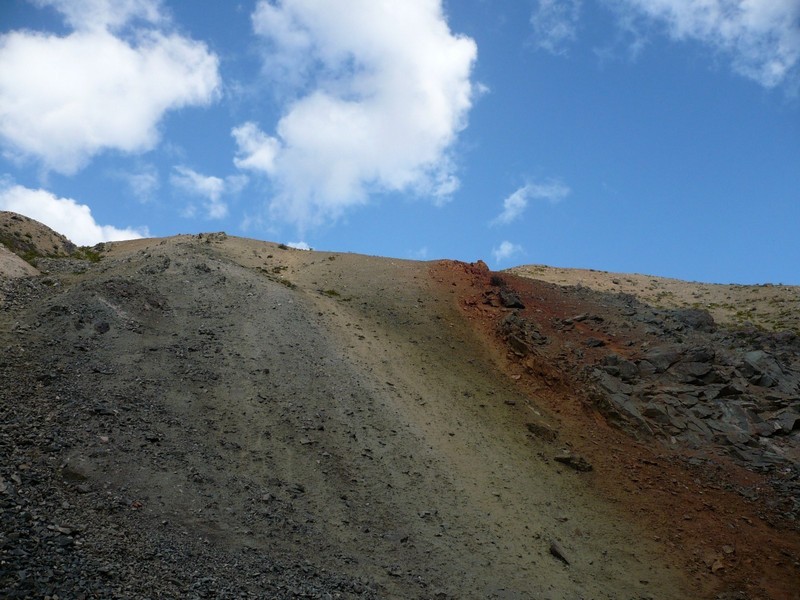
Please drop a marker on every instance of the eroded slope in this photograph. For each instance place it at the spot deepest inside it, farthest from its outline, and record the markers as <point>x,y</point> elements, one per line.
<point>210,416</point>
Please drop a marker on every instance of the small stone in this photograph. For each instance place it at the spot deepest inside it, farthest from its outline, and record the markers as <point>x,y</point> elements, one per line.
<point>574,461</point>
<point>557,551</point>
<point>542,431</point>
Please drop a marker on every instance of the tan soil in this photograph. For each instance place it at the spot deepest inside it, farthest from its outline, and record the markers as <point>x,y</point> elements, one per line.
<point>20,234</point>
<point>353,416</point>
<point>12,265</point>
<point>774,307</point>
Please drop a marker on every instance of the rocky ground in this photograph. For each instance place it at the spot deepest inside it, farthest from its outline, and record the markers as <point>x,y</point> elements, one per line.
<point>208,416</point>
<point>768,306</point>
<point>713,409</point>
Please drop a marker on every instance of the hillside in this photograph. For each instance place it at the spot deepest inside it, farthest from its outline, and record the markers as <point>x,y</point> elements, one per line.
<point>211,416</point>
<point>773,307</point>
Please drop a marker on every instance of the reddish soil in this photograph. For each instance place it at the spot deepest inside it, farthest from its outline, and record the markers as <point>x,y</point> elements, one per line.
<point>727,542</point>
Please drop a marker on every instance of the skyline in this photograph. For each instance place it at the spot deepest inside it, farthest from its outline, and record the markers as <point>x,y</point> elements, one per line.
<point>657,137</point>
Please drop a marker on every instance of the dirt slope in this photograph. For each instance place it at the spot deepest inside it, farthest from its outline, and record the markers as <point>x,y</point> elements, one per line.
<point>12,265</point>
<point>209,416</point>
<point>31,239</point>
<point>677,415</point>
<point>773,307</point>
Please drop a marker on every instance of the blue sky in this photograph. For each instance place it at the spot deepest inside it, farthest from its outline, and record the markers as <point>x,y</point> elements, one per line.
<point>649,136</point>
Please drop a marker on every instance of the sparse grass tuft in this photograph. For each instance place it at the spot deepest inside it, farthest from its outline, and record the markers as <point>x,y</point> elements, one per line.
<point>87,253</point>
<point>30,256</point>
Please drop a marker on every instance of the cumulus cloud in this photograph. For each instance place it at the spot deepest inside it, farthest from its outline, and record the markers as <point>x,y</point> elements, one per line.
<point>299,245</point>
<point>255,149</point>
<point>64,99</point>
<point>762,37</point>
<point>64,215</point>
<point>505,251</point>
<point>211,189</point>
<point>554,24</point>
<point>382,97</point>
<point>515,204</point>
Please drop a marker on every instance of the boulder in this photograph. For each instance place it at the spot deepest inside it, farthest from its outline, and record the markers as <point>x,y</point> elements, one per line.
<point>696,318</point>
<point>645,368</point>
<point>699,354</point>
<point>509,299</point>
<point>761,369</point>
<point>611,384</point>
<point>691,372</point>
<point>662,357</point>
<point>782,421</point>
<point>521,334</point>
<point>628,410</point>
<point>628,371</point>
<point>656,412</point>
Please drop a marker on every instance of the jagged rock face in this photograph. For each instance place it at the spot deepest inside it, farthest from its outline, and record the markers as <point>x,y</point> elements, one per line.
<point>672,375</point>
<point>722,401</point>
<point>743,400</point>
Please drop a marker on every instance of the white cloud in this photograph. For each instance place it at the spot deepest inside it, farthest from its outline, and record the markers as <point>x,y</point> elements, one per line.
<point>255,149</point>
<point>383,94</point>
<point>515,204</point>
<point>298,245</point>
<point>762,37</point>
<point>104,14</point>
<point>208,187</point>
<point>554,24</point>
<point>420,253</point>
<point>505,251</point>
<point>144,183</point>
<point>64,215</point>
<point>65,99</point>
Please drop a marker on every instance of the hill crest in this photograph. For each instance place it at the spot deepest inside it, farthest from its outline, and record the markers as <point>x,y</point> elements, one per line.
<point>284,422</point>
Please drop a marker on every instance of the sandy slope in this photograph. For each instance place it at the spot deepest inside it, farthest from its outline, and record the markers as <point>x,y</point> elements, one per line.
<point>222,404</point>
<point>12,265</point>
<point>210,416</point>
